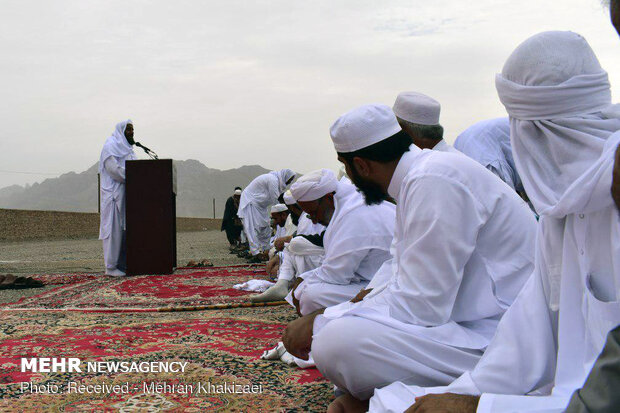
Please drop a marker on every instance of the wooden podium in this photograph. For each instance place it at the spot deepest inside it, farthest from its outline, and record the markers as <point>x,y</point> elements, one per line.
<point>151,217</point>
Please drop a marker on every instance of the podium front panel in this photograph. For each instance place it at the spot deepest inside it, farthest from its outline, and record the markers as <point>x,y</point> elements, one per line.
<point>151,217</point>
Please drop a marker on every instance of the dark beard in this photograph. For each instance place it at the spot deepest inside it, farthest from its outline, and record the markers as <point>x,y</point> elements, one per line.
<point>295,218</point>
<point>373,193</point>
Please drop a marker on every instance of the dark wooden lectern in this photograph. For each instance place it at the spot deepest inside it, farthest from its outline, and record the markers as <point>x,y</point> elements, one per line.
<point>151,217</point>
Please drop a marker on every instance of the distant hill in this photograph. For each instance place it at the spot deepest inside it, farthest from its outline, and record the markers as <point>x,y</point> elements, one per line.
<point>197,185</point>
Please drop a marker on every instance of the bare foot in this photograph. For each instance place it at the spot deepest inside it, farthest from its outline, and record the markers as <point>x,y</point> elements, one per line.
<point>347,404</point>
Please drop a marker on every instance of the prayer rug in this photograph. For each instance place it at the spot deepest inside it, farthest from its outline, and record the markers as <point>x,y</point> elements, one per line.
<point>221,349</point>
<point>184,288</point>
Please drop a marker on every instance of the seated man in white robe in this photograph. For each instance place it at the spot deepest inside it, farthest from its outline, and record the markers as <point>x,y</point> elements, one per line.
<point>299,254</point>
<point>116,150</point>
<point>357,240</point>
<point>260,194</point>
<point>463,248</point>
<point>564,134</point>
<point>280,216</point>
<point>418,116</point>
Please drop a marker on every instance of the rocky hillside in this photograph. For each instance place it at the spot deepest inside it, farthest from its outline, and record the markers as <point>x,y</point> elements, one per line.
<point>197,186</point>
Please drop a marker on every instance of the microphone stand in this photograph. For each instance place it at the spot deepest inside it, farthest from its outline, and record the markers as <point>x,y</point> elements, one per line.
<point>149,152</point>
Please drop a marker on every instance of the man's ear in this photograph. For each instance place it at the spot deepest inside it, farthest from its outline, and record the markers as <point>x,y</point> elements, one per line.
<point>362,166</point>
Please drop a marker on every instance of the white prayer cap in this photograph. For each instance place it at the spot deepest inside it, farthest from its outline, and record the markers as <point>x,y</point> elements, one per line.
<point>237,192</point>
<point>278,208</point>
<point>314,185</point>
<point>417,108</point>
<point>288,198</point>
<point>362,127</point>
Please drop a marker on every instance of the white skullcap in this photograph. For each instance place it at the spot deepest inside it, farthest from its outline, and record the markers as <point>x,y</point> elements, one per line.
<point>417,108</point>
<point>314,185</point>
<point>362,127</point>
<point>237,192</point>
<point>288,198</point>
<point>278,208</point>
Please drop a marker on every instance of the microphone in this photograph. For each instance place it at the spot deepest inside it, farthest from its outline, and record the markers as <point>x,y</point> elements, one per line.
<point>149,152</point>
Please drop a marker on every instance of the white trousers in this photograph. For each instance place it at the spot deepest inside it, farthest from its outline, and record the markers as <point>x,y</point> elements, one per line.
<point>359,355</point>
<point>114,254</point>
<point>314,295</point>
<point>256,228</point>
<point>299,256</point>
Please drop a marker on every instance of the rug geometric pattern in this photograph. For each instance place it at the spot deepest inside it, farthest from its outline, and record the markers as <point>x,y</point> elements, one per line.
<point>220,347</point>
<point>184,288</point>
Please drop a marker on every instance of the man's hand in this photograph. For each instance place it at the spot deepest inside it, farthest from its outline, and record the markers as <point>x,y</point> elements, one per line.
<point>444,403</point>
<point>360,296</point>
<point>347,404</point>
<point>274,262</point>
<point>279,242</point>
<point>295,300</point>
<point>615,185</point>
<point>297,337</point>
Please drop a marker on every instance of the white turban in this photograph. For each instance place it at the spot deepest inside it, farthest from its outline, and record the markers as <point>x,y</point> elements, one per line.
<point>314,185</point>
<point>362,127</point>
<point>288,198</point>
<point>417,108</point>
<point>278,208</point>
<point>116,145</point>
<point>559,101</point>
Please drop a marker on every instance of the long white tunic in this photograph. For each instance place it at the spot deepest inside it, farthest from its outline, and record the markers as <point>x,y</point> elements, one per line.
<point>563,136</point>
<point>357,242</point>
<point>116,150</point>
<point>463,248</point>
<point>254,204</point>
<point>488,143</point>
<point>299,256</point>
<point>443,146</point>
<point>577,275</point>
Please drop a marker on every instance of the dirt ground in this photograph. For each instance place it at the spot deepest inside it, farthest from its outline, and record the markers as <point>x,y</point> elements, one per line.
<point>86,255</point>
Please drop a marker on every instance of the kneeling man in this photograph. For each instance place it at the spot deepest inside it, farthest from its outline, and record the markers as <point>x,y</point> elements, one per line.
<point>357,240</point>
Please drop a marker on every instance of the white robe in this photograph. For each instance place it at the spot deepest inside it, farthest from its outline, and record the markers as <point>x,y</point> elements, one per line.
<point>115,152</point>
<point>561,135</point>
<point>286,230</point>
<point>463,248</point>
<point>488,143</point>
<point>357,242</point>
<point>443,146</point>
<point>260,194</point>
<point>300,255</point>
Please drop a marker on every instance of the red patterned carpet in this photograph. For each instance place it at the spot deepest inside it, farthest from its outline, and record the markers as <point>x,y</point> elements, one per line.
<point>185,288</point>
<point>220,347</point>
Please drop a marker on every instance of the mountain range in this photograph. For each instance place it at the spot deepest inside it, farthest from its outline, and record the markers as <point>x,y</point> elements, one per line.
<point>197,186</point>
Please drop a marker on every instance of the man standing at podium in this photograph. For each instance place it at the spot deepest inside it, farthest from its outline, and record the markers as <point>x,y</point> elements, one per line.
<point>116,150</point>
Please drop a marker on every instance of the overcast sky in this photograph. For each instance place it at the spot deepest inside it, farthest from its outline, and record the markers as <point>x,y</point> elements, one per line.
<point>232,83</point>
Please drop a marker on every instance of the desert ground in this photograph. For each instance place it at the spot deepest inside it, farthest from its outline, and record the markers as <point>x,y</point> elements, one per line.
<point>86,255</point>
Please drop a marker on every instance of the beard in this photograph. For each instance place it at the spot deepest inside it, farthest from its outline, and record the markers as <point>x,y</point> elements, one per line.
<point>373,193</point>
<point>295,218</point>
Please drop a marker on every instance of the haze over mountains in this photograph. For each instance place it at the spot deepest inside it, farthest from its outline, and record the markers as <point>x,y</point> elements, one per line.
<point>197,185</point>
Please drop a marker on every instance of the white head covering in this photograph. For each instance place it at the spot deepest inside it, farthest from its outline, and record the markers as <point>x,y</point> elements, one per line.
<point>362,127</point>
<point>314,185</point>
<point>288,198</point>
<point>278,208</point>
<point>283,176</point>
<point>559,101</point>
<point>116,145</point>
<point>237,192</point>
<point>417,108</point>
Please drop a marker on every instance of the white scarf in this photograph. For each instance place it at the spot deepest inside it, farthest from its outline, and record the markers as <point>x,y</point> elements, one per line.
<point>561,119</point>
<point>116,145</point>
